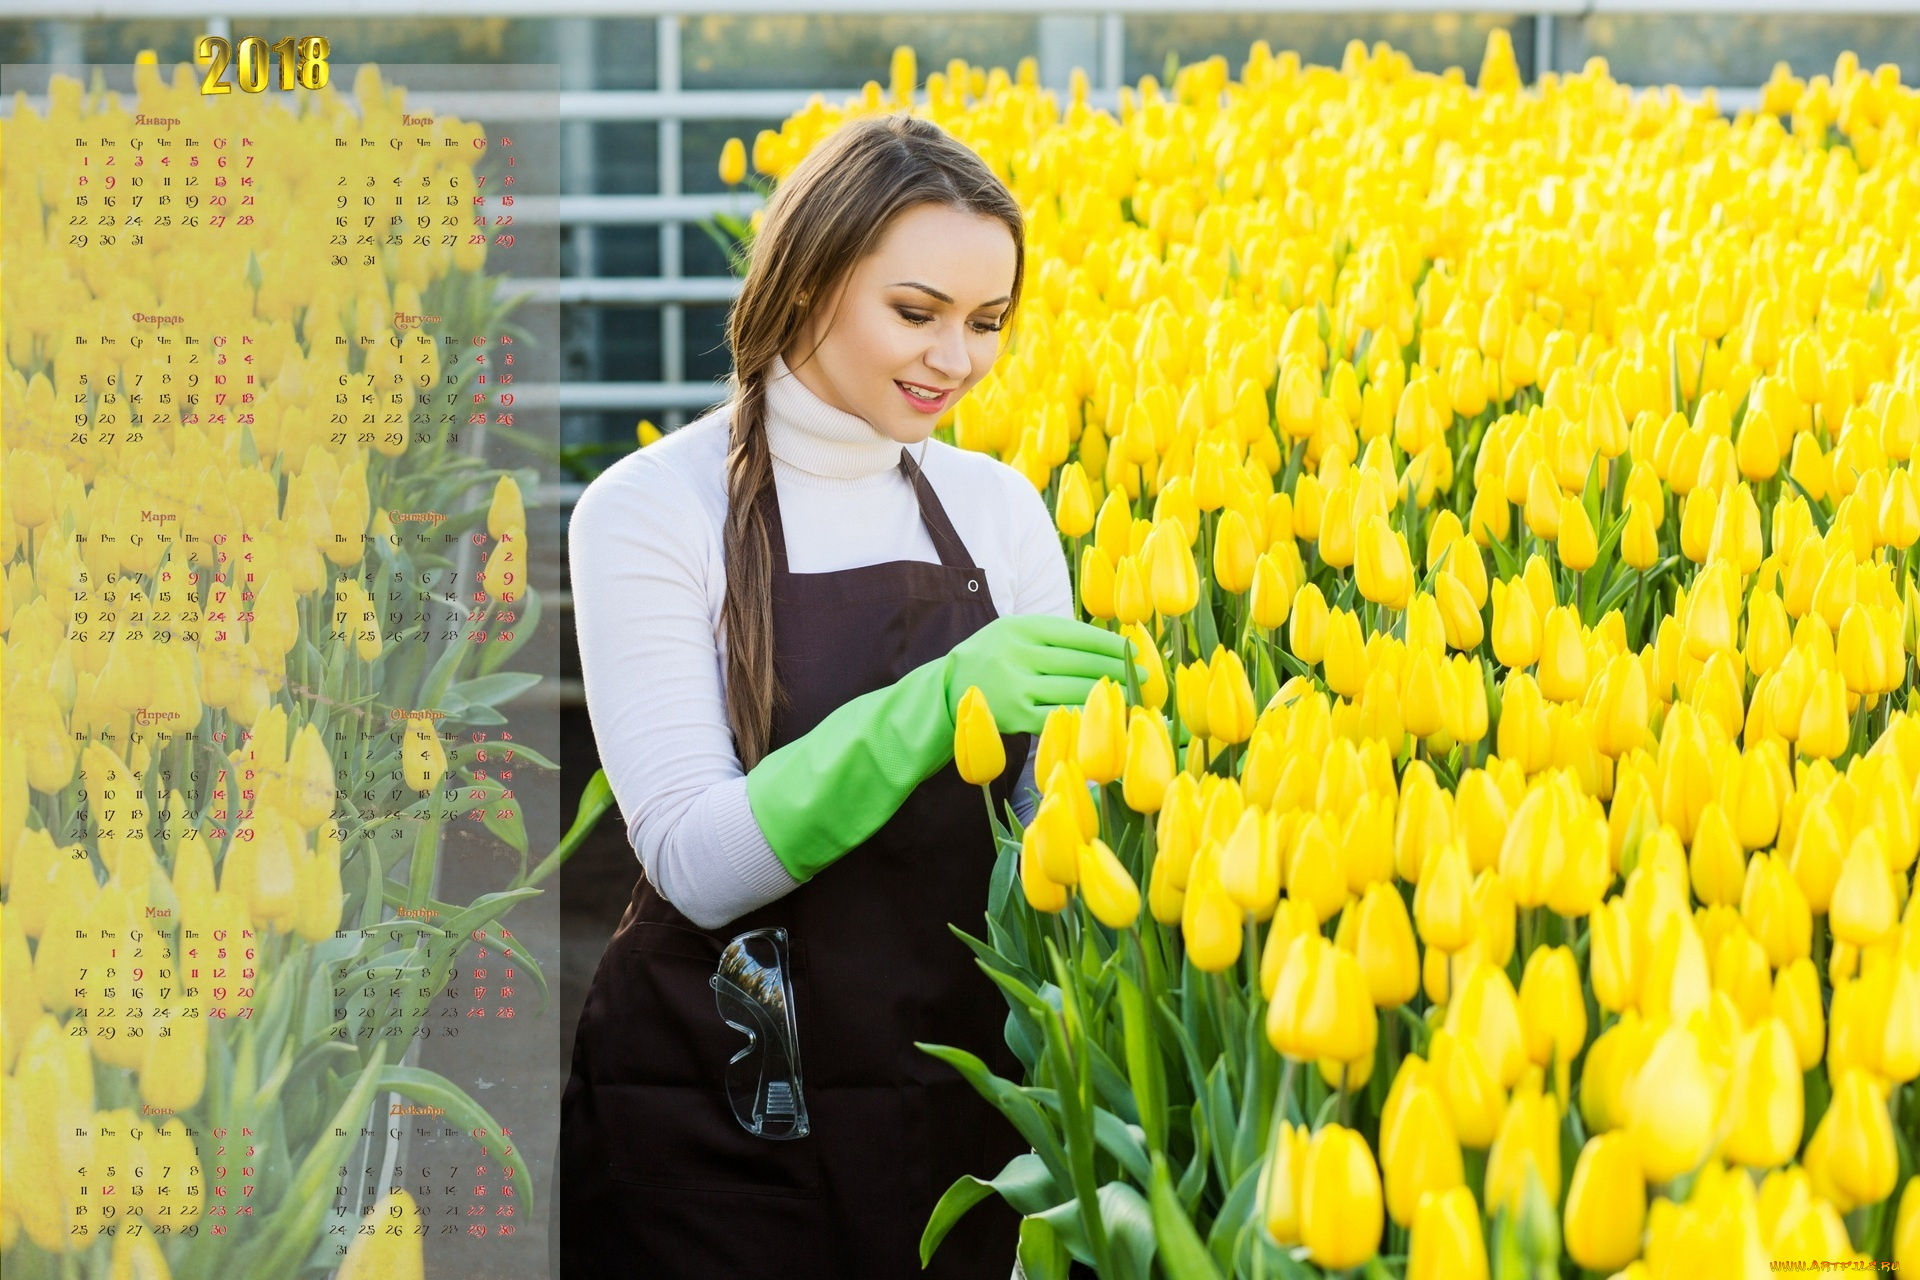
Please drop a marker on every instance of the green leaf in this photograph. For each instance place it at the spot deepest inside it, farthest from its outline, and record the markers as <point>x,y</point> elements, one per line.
<point>1146,1070</point>
<point>426,855</point>
<point>1194,1180</point>
<point>1018,991</point>
<point>966,1192</point>
<point>293,1228</point>
<point>1042,1254</point>
<point>595,800</point>
<point>1182,1254</point>
<point>431,1089</point>
<point>489,691</point>
<point>1129,1224</point>
<point>1234,1215</point>
<point>1020,1110</point>
<point>511,945</point>
<point>1506,562</point>
<point>500,815</point>
<point>1124,1218</point>
<point>1110,1081</point>
<point>1617,590</point>
<point>987,956</point>
<point>1820,518</point>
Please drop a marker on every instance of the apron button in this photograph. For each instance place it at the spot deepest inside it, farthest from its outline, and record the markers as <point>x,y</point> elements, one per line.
<point>973,584</point>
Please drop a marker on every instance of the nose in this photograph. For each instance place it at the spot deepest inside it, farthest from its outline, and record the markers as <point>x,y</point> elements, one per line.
<point>947,356</point>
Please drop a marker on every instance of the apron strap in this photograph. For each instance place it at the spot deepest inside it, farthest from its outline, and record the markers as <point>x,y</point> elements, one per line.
<point>946,541</point>
<point>953,552</point>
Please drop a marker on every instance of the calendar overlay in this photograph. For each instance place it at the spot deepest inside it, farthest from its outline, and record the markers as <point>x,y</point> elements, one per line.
<point>280,722</point>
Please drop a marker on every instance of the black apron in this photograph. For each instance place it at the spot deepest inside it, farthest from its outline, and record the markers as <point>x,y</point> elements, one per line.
<point>658,1179</point>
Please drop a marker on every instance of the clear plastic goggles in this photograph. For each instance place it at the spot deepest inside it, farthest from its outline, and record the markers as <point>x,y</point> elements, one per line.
<point>753,989</point>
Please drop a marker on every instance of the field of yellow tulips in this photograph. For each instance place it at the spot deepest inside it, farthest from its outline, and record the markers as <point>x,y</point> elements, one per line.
<point>1511,491</point>
<point>211,825</point>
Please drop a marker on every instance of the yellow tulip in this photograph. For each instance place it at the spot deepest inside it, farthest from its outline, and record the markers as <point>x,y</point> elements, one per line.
<point>1486,1013</point>
<point>1673,1105</point>
<point>1767,1103</point>
<point>1283,1175</point>
<point>1446,1241</point>
<point>1419,1152</point>
<point>391,1251</point>
<point>1109,891</point>
<point>424,761</point>
<point>1606,1204</point>
<point>1528,1141</point>
<point>1382,567</point>
<point>1210,920</point>
<point>1307,632</point>
<point>1149,767</point>
<point>1516,626</point>
<point>1340,1206</point>
<point>506,511</point>
<point>1385,946</point>
<point>978,752</point>
<point>1853,1146</point>
<point>733,162</point>
<point>1553,1014</point>
<point>1906,1231</point>
<point>1042,893</point>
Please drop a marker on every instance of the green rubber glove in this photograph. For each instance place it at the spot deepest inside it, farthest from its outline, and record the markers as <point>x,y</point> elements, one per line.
<point>828,790</point>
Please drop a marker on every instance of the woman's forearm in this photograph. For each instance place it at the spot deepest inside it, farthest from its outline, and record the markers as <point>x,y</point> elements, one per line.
<point>710,859</point>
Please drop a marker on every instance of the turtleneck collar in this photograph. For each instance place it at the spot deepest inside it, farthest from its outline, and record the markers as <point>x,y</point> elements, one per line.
<point>807,433</point>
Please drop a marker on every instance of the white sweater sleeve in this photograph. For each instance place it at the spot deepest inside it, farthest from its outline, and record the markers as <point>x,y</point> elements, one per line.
<point>651,663</point>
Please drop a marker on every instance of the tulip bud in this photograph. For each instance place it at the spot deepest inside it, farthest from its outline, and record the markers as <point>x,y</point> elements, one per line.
<point>1606,1204</point>
<point>424,761</point>
<point>1516,626</point>
<point>1109,891</point>
<point>1673,1105</point>
<point>978,752</point>
<point>1284,1173</point>
<point>1419,1154</point>
<point>1043,894</point>
<point>1055,834</point>
<point>1767,1103</point>
<point>1382,567</point>
<point>1475,1101</point>
<point>1862,910</point>
<point>1486,1013</point>
<point>1553,1012</point>
<point>1230,710</point>
<point>1340,1199</point>
<point>1210,920</point>
<point>1639,541</point>
<point>1149,765</point>
<point>1385,946</point>
<point>1443,904</point>
<point>1906,1229</point>
<point>1855,1137</point>
<point>1579,546</point>
<point>1528,1141</point>
<point>383,1254</point>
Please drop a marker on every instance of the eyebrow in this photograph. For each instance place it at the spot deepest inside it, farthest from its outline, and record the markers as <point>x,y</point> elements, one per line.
<point>927,288</point>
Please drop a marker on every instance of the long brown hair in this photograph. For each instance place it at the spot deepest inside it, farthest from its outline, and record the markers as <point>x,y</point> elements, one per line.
<point>828,214</point>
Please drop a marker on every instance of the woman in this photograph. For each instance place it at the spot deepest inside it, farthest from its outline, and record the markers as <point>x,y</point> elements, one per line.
<point>778,729</point>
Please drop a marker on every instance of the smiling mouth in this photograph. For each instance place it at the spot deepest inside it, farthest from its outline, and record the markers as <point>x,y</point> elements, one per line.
<point>920,393</point>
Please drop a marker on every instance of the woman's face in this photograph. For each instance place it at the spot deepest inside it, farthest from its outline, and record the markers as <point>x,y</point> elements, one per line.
<point>923,309</point>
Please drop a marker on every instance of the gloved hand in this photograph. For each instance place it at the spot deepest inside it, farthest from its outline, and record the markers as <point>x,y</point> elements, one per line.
<point>1031,663</point>
<point>831,788</point>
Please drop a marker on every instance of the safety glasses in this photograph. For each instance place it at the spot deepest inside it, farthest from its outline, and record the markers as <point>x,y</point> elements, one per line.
<point>753,989</point>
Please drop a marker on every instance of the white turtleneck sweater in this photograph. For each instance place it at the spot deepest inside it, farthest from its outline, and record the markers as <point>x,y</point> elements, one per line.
<point>645,548</point>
